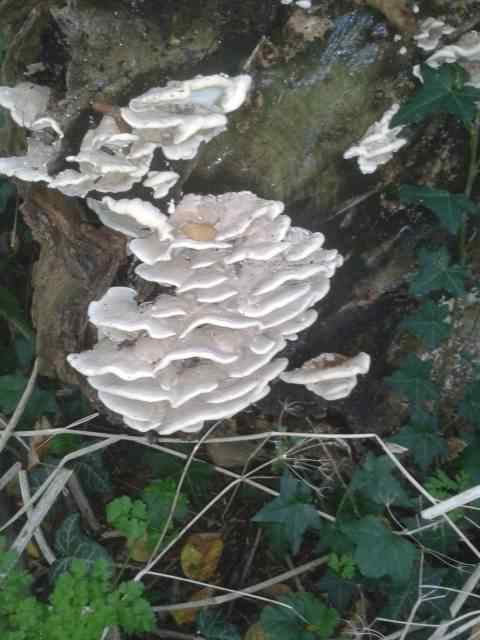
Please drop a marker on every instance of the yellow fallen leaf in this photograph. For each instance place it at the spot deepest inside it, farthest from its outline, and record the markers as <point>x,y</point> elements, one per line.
<point>187,616</point>
<point>200,555</point>
<point>141,549</point>
<point>255,632</point>
<point>32,551</point>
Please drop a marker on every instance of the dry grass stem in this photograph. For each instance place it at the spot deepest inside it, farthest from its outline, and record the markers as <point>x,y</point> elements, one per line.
<point>38,514</point>
<point>248,592</point>
<point>42,544</point>
<point>20,408</point>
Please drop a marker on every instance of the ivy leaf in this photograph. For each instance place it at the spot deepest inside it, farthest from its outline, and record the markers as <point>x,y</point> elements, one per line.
<point>444,91</point>
<point>72,544</point>
<point>212,626</point>
<point>378,551</point>
<point>413,380</point>
<point>292,509</point>
<point>69,535</point>
<point>450,208</point>
<point>422,437</point>
<point>469,407</point>
<point>375,478</point>
<point>340,591</point>
<point>307,619</point>
<point>401,597</point>
<point>429,323</point>
<point>93,474</point>
<point>435,272</point>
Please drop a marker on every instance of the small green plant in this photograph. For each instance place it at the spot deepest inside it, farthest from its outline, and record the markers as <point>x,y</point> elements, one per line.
<point>143,520</point>
<point>82,604</point>
<point>343,565</point>
<point>129,517</point>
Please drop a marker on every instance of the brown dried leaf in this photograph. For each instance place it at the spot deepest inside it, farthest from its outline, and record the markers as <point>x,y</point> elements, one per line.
<point>200,555</point>
<point>397,12</point>
<point>231,454</point>
<point>187,616</point>
<point>39,444</point>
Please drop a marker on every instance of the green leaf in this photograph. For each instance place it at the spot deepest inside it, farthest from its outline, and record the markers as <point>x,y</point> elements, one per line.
<point>159,496</point>
<point>93,474</point>
<point>11,389</point>
<point>306,618</point>
<point>39,403</point>
<point>469,407</point>
<point>469,460</point>
<point>442,486</point>
<point>7,188</point>
<point>292,509</point>
<point>376,480</point>
<point>435,273</point>
<point>212,626</point>
<point>69,535</point>
<point>413,380</point>
<point>429,323</point>
<point>24,352</point>
<point>12,312</point>
<point>72,544</point>
<point>340,591</point>
<point>423,439</point>
<point>378,551</point>
<point>449,208</point>
<point>443,91</point>
<point>83,603</point>
<point>129,517</point>
<point>343,565</point>
<point>401,597</point>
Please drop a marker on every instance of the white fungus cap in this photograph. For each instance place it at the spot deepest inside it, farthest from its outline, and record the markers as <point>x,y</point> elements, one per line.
<point>27,103</point>
<point>160,182</point>
<point>33,166</point>
<point>378,144</point>
<point>244,282</point>
<point>465,52</point>
<point>182,115</point>
<point>330,375</point>
<point>430,32</point>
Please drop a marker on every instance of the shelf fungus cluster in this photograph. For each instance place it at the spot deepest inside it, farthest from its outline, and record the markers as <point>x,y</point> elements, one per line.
<point>117,154</point>
<point>237,281</point>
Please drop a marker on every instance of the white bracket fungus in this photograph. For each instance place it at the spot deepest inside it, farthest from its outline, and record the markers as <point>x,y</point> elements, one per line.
<point>431,30</point>
<point>236,280</point>
<point>331,376</point>
<point>465,52</point>
<point>378,144</point>
<point>27,103</point>
<point>182,115</point>
<point>176,118</point>
<point>245,282</point>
